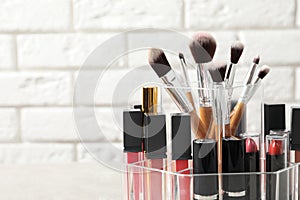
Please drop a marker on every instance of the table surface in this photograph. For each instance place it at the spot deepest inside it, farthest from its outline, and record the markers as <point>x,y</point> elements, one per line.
<point>75,181</point>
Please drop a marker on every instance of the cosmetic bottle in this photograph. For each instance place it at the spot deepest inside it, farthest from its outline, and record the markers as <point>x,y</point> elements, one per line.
<point>205,161</point>
<point>295,140</point>
<point>295,135</point>
<point>252,164</point>
<point>181,153</point>
<point>274,117</point>
<point>156,157</point>
<point>276,159</point>
<point>133,152</point>
<point>234,186</point>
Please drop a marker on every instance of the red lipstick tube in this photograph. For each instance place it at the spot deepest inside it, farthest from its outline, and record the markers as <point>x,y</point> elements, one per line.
<point>276,159</point>
<point>252,164</point>
<point>181,153</point>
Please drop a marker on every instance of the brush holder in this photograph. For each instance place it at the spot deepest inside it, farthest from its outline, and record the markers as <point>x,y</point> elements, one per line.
<point>181,185</point>
<point>162,178</point>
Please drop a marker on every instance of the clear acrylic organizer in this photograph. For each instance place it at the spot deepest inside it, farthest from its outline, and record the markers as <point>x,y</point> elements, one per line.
<point>157,180</point>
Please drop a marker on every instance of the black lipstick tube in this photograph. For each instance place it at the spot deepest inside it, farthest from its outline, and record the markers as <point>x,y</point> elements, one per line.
<point>234,186</point>
<point>252,164</point>
<point>205,161</point>
<point>277,184</point>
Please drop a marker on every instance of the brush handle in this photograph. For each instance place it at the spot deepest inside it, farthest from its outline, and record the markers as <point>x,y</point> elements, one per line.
<point>176,92</point>
<point>185,73</point>
<point>236,116</point>
<point>250,74</point>
<point>230,80</point>
<point>203,83</point>
<point>190,98</point>
<point>197,126</point>
<point>206,117</point>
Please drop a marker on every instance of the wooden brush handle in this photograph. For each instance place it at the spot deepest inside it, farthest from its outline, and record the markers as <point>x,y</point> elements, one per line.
<point>190,98</point>
<point>197,126</point>
<point>236,116</point>
<point>206,117</point>
<point>297,157</point>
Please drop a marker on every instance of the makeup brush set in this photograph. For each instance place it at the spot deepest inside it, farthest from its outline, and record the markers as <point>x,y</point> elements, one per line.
<point>227,162</point>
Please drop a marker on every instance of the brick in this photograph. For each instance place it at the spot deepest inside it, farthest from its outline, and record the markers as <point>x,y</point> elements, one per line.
<point>35,88</point>
<point>106,153</point>
<point>274,47</point>
<point>279,85</point>
<point>48,124</point>
<point>68,50</point>
<point>61,125</point>
<point>36,153</point>
<point>113,87</point>
<point>35,15</point>
<point>298,13</point>
<point>7,52</point>
<point>119,14</point>
<point>239,14</point>
<point>8,125</point>
<point>297,84</point>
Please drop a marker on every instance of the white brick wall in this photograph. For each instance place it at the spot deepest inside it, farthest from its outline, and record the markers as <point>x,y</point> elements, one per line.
<point>43,44</point>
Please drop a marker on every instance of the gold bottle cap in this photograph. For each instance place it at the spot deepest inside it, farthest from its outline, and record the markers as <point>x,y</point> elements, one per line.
<point>150,99</point>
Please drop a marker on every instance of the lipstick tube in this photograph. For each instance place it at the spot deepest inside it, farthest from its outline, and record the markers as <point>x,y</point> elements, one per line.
<point>234,186</point>
<point>155,149</point>
<point>295,139</point>
<point>205,164</point>
<point>133,152</point>
<point>181,153</point>
<point>276,159</point>
<point>295,134</point>
<point>252,164</point>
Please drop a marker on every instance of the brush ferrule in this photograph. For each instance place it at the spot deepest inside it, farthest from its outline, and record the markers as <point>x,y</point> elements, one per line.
<point>203,82</point>
<point>250,74</point>
<point>184,72</point>
<point>253,90</point>
<point>230,80</point>
<point>245,93</point>
<point>177,93</point>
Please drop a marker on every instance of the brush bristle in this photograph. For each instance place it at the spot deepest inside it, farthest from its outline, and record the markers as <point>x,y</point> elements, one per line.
<point>263,71</point>
<point>203,47</point>
<point>218,72</point>
<point>158,61</point>
<point>181,56</point>
<point>256,59</point>
<point>237,49</point>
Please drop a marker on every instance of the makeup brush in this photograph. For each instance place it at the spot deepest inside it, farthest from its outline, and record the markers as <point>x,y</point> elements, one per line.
<point>162,68</point>
<point>251,71</point>
<point>186,78</point>
<point>218,72</point>
<point>203,47</point>
<point>236,51</point>
<point>248,93</point>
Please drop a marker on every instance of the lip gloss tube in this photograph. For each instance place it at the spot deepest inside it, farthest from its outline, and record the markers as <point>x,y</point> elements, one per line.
<point>295,133</point>
<point>295,139</point>
<point>155,149</point>
<point>133,152</point>
<point>205,161</point>
<point>234,162</point>
<point>276,159</point>
<point>252,164</point>
<point>181,152</point>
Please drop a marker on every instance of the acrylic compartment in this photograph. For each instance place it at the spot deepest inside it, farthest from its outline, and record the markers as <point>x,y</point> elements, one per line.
<point>184,185</point>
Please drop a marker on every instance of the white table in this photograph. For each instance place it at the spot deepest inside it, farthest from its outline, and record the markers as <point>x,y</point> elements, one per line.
<point>76,181</point>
